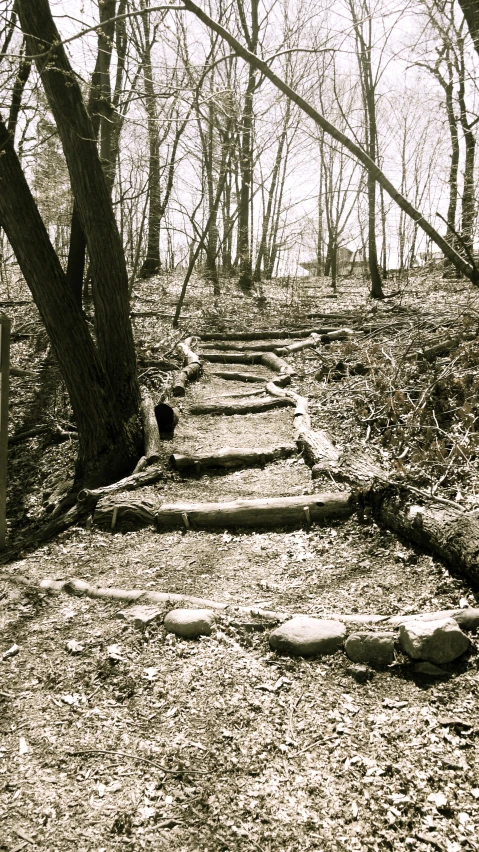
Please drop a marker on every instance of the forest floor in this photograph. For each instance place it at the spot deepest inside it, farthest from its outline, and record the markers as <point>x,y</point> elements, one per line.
<point>136,739</point>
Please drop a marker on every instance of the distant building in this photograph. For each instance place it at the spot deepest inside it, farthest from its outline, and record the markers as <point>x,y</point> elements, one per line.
<point>434,257</point>
<point>345,259</point>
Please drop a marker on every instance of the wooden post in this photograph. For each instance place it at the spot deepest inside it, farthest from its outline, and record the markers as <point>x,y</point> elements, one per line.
<point>4,387</point>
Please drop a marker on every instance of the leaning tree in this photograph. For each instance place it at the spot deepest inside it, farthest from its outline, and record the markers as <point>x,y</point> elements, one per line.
<point>100,376</point>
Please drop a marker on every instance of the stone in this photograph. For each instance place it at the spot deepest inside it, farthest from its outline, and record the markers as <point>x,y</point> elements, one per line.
<point>377,649</point>
<point>435,641</point>
<point>189,623</point>
<point>304,636</point>
<point>140,616</point>
<point>361,674</point>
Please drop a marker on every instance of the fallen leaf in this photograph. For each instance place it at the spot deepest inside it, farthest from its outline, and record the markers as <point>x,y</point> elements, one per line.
<point>74,647</point>
<point>438,799</point>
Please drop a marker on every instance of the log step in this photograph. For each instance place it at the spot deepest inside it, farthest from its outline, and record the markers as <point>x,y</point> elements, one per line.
<point>272,511</point>
<point>248,406</point>
<point>264,512</point>
<point>230,457</point>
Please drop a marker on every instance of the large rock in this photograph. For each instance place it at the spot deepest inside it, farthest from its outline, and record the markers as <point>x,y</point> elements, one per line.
<point>376,649</point>
<point>435,641</point>
<point>307,637</point>
<point>140,616</point>
<point>189,623</point>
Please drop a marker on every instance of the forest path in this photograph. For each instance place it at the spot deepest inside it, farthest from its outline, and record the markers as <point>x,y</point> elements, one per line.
<point>143,740</point>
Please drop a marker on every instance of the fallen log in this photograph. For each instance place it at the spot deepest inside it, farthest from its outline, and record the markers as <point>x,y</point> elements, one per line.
<point>267,334</point>
<point>229,457</point>
<point>190,357</point>
<point>151,432</point>
<point>241,347</point>
<point>237,377</point>
<point>450,534</point>
<point>192,369</point>
<point>232,357</point>
<point>248,406</point>
<point>269,359</point>
<point>273,511</point>
<point>190,373</point>
<point>90,496</point>
<point>441,348</point>
<point>257,391</point>
<point>338,334</point>
<point>312,341</point>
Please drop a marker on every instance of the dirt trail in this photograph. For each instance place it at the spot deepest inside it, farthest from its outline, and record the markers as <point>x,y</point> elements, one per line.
<point>145,741</point>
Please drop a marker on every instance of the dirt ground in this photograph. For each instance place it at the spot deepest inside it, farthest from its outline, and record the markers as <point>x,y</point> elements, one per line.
<point>140,740</point>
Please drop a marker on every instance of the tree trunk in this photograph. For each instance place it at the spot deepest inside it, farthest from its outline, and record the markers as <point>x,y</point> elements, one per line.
<point>246,163</point>
<point>468,195</point>
<point>109,274</point>
<point>106,446</point>
<point>453,168</point>
<point>271,194</point>
<point>18,88</point>
<point>99,81</point>
<point>246,152</point>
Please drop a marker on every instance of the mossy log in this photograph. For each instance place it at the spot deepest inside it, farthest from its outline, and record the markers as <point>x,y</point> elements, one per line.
<point>230,457</point>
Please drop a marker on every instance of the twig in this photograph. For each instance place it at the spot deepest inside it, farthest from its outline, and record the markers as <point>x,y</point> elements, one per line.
<point>179,771</point>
